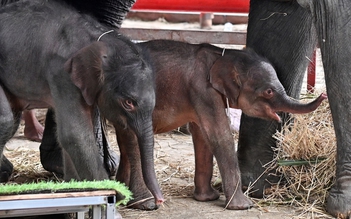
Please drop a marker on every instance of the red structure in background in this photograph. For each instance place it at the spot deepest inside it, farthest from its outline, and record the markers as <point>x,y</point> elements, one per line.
<point>222,6</point>
<point>212,6</point>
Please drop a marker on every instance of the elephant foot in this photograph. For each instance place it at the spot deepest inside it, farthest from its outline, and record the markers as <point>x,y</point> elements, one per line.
<point>4,176</point>
<point>143,204</point>
<point>52,160</point>
<point>5,170</point>
<point>238,202</point>
<point>339,200</point>
<point>208,194</point>
<point>258,182</point>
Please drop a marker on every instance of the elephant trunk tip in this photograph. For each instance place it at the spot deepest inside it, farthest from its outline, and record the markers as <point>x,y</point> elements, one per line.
<point>294,106</point>
<point>313,105</point>
<point>323,96</point>
<point>159,201</point>
<point>320,99</point>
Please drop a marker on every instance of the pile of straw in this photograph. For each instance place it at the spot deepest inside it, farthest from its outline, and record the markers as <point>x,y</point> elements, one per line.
<point>27,167</point>
<point>305,157</point>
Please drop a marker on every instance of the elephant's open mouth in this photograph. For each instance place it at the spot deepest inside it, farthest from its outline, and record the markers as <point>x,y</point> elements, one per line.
<point>272,114</point>
<point>263,112</point>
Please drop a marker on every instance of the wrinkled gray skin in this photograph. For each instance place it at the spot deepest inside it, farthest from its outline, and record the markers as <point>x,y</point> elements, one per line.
<point>272,34</point>
<point>74,73</point>
<point>110,13</point>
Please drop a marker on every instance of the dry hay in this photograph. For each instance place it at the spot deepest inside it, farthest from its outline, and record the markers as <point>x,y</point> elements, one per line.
<point>27,167</point>
<point>305,157</point>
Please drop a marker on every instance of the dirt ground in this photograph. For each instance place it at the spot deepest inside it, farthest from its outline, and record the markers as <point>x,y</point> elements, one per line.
<point>174,160</point>
<point>174,163</point>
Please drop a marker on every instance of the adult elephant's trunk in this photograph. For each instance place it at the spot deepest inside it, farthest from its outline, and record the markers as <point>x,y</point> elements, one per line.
<point>146,145</point>
<point>291,105</point>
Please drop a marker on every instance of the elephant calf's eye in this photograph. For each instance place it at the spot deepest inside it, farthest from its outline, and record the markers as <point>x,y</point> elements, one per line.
<point>268,93</point>
<point>128,105</point>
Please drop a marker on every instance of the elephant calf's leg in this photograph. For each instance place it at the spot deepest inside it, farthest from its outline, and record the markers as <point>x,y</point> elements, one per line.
<point>9,122</point>
<point>130,173</point>
<point>51,153</point>
<point>5,170</point>
<point>216,132</point>
<point>203,167</point>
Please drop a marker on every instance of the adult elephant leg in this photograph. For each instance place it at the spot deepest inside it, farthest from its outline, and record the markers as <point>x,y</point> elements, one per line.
<point>282,32</point>
<point>130,172</point>
<point>203,167</point>
<point>333,25</point>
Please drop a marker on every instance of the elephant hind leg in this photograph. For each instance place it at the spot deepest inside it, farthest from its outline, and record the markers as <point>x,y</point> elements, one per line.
<point>203,167</point>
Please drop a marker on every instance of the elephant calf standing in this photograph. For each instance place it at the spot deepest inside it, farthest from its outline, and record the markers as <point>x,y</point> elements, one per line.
<point>51,56</point>
<point>194,84</point>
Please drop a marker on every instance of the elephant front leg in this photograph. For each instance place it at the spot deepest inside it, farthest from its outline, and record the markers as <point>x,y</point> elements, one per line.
<point>51,153</point>
<point>229,168</point>
<point>338,202</point>
<point>203,167</point>
<point>339,199</point>
<point>9,122</point>
<point>130,173</point>
<point>216,132</point>
<point>5,170</point>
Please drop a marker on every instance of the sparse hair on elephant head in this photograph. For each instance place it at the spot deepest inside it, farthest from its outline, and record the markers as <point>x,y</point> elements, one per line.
<point>251,84</point>
<point>85,69</point>
<point>234,68</point>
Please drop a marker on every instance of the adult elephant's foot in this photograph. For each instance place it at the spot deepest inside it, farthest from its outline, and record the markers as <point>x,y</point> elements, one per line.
<point>258,181</point>
<point>205,194</point>
<point>339,199</point>
<point>238,202</point>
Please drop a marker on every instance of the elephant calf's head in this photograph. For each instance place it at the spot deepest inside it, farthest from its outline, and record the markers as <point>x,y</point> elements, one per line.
<point>251,84</point>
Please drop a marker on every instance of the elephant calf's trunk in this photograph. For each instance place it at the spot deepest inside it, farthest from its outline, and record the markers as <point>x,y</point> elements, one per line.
<point>294,106</point>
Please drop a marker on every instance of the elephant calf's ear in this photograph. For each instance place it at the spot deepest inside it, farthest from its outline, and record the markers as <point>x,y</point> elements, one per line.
<point>85,69</point>
<point>224,78</point>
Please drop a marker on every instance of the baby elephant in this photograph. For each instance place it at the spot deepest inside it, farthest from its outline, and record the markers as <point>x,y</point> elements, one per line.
<point>194,84</point>
<point>51,56</point>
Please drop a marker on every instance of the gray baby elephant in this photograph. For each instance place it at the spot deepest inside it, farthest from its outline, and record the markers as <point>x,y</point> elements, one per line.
<point>53,57</point>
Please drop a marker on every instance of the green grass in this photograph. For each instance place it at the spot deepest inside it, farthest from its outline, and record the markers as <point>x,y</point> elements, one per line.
<point>72,186</point>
